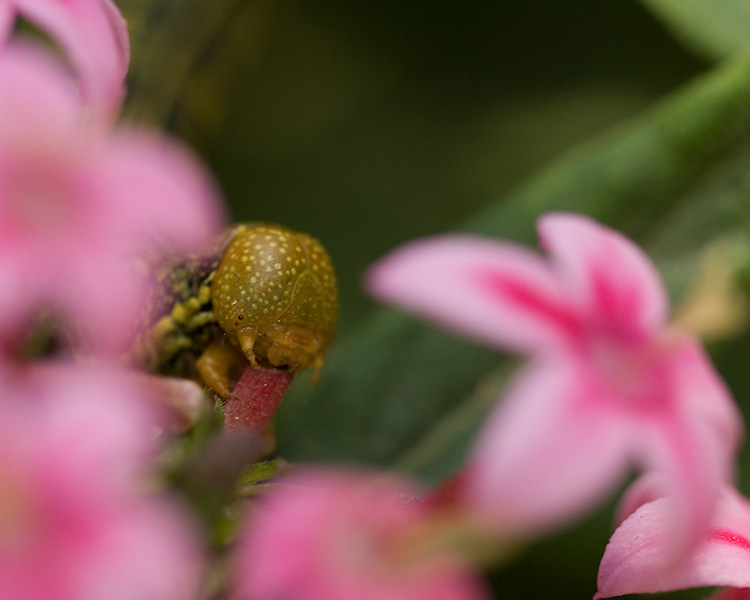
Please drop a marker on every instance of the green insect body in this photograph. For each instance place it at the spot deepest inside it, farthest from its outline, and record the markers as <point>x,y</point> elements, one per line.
<point>265,295</point>
<point>275,295</point>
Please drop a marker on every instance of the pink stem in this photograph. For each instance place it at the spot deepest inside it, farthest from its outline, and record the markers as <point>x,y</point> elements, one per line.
<point>255,399</point>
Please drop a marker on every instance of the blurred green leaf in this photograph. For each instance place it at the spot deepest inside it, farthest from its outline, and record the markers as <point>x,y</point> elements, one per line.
<point>715,28</point>
<point>397,393</point>
<point>168,69</point>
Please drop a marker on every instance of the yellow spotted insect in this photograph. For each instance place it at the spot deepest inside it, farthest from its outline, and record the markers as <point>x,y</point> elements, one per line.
<point>265,296</point>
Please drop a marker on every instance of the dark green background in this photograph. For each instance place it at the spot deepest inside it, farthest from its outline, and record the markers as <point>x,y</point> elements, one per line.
<point>370,123</point>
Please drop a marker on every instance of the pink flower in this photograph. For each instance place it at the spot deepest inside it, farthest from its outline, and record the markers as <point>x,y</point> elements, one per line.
<point>92,33</point>
<point>635,563</point>
<point>76,522</point>
<point>79,203</point>
<point>325,535</point>
<point>609,383</point>
<point>178,402</point>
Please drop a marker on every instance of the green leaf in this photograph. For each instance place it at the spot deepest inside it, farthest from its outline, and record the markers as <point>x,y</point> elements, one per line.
<point>400,394</point>
<point>715,28</point>
<point>168,69</point>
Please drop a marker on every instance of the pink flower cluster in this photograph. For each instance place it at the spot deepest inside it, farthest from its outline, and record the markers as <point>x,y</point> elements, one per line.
<point>80,200</point>
<point>609,384</point>
<point>76,521</point>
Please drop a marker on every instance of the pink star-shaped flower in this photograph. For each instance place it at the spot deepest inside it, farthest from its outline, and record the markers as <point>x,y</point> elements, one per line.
<point>92,33</point>
<point>323,534</point>
<point>609,384</point>
<point>634,561</point>
<point>80,204</point>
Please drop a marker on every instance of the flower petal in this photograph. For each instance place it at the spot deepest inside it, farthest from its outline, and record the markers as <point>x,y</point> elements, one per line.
<point>608,277</point>
<point>634,561</point>
<point>38,105</point>
<point>499,293</point>
<point>328,535</point>
<point>693,470</point>
<point>6,22</point>
<point>78,451</point>
<point>690,448</point>
<point>647,488</point>
<point>547,454</point>
<point>150,552</point>
<point>160,190</point>
<point>705,396</point>
<point>94,35</point>
<point>104,302</point>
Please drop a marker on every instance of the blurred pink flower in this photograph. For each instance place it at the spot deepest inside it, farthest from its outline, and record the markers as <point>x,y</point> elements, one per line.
<point>78,203</point>
<point>634,561</point>
<point>92,33</point>
<point>76,522</point>
<point>178,403</point>
<point>609,384</point>
<point>325,535</point>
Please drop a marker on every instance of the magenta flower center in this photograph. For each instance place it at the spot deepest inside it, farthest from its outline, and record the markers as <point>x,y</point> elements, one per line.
<point>634,373</point>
